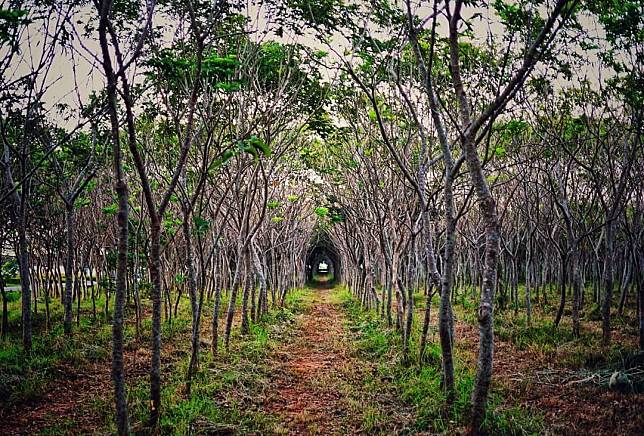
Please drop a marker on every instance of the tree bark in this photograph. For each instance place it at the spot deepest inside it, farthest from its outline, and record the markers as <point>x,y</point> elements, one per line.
<point>195,306</point>
<point>118,370</point>
<point>608,281</point>
<point>25,276</point>
<point>69,265</point>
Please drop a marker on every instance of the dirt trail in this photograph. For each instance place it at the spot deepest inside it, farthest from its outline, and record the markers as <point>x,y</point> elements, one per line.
<point>305,391</point>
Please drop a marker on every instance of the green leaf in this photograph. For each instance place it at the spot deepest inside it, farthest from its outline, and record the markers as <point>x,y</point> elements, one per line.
<point>201,224</point>
<point>112,209</point>
<point>10,20</point>
<point>82,202</point>
<point>259,145</point>
<point>321,211</point>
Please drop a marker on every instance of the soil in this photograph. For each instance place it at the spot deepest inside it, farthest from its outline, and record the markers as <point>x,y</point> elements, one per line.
<point>314,374</point>
<point>544,384</point>
<point>63,403</point>
<point>68,404</point>
<point>304,392</point>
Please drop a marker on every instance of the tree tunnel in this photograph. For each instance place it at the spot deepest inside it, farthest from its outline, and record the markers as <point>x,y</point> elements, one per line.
<point>323,266</point>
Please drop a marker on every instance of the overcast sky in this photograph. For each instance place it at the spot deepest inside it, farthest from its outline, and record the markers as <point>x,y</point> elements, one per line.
<point>75,74</point>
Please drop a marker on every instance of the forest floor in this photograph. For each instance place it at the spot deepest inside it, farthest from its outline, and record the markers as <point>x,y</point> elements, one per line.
<point>304,390</point>
<point>567,389</point>
<point>322,365</point>
<point>318,383</point>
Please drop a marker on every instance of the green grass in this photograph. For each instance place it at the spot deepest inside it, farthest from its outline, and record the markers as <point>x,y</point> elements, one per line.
<point>26,376</point>
<point>548,341</point>
<point>222,392</point>
<point>227,391</point>
<point>419,386</point>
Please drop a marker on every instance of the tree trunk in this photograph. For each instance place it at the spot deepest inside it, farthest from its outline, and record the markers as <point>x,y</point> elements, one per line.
<point>245,324</point>
<point>608,282</point>
<point>639,264</point>
<point>195,306</point>
<point>490,220</point>
<point>118,370</point>
<point>261,277</point>
<point>232,301</point>
<point>528,300</point>
<point>626,279</point>
<point>69,265</point>
<point>445,327</point>
<point>25,279</point>
<point>426,322</point>
<point>215,321</point>
<point>576,289</point>
<point>5,312</point>
<point>155,276</point>
<point>410,317</point>
<point>562,289</point>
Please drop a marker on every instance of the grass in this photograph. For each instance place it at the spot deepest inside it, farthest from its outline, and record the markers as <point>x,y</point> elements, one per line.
<point>418,386</point>
<point>226,390</point>
<point>27,376</point>
<point>548,341</point>
<point>385,393</point>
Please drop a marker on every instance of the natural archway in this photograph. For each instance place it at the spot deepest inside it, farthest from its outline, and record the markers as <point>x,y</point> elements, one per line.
<point>323,266</point>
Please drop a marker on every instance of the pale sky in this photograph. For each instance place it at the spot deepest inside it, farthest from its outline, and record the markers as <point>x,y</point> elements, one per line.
<point>75,74</point>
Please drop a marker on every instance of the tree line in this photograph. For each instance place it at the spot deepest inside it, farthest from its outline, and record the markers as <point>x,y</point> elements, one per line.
<point>435,156</point>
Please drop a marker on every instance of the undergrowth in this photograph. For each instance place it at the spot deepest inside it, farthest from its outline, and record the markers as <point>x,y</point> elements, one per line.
<point>226,391</point>
<point>227,394</point>
<point>418,386</point>
<point>26,376</point>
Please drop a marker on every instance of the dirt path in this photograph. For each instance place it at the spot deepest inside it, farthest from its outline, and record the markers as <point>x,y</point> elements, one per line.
<point>306,393</point>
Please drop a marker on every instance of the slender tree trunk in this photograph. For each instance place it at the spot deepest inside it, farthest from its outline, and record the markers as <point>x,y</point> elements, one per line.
<point>626,280</point>
<point>78,291</point>
<point>118,370</point>
<point>528,285</point>
<point>215,321</point>
<point>562,289</point>
<point>445,327</point>
<point>195,306</point>
<point>576,289</point>
<point>233,300</point>
<point>118,373</point>
<point>608,282</point>
<point>69,265</point>
<point>390,286</point>
<point>5,311</point>
<point>490,218</point>
<point>155,276</point>
<point>25,279</point>
<point>426,322</point>
<point>640,295</point>
<point>410,317</point>
<point>261,277</point>
<point>245,324</point>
